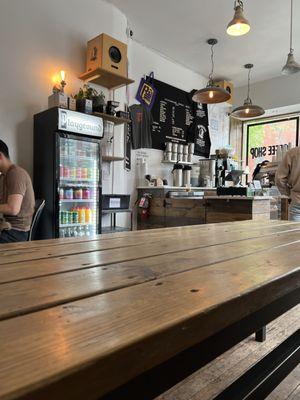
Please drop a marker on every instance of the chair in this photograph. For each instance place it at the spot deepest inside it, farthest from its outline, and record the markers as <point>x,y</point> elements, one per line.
<point>38,209</point>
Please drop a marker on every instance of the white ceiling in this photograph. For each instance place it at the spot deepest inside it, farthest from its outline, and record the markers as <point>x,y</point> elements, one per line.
<point>179,29</point>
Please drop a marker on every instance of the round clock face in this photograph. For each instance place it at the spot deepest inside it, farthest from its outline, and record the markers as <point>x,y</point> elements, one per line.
<point>115,54</point>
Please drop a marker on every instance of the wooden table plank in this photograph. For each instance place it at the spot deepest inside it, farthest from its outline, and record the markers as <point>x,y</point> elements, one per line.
<point>16,269</point>
<point>30,295</point>
<point>100,245</point>
<point>141,234</point>
<point>101,339</point>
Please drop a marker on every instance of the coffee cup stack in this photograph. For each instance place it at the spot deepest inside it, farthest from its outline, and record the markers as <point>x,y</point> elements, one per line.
<point>191,148</point>
<point>182,153</point>
<point>168,152</point>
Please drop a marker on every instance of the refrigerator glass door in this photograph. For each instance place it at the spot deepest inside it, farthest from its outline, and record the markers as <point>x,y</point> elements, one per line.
<point>78,187</point>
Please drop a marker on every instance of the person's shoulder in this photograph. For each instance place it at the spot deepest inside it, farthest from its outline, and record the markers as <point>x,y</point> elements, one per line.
<point>16,170</point>
<point>294,150</point>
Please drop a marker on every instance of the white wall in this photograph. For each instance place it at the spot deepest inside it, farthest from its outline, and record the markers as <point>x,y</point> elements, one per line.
<point>38,39</point>
<point>273,93</point>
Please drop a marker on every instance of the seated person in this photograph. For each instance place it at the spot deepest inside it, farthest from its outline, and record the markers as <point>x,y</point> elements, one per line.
<point>16,200</point>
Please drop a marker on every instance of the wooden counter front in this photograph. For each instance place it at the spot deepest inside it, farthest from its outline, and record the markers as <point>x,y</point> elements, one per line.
<point>167,212</point>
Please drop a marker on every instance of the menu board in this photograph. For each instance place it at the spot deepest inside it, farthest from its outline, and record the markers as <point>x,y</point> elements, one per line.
<point>172,115</point>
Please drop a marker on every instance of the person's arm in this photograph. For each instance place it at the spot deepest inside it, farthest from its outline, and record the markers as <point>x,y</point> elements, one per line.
<point>16,189</point>
<point>282,175</point>
<point>13,205</point>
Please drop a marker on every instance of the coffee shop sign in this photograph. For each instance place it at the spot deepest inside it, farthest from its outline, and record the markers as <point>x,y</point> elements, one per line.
<point>257,152</point>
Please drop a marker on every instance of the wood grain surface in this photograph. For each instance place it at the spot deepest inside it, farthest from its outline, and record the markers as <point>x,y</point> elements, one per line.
<point>79,318</point>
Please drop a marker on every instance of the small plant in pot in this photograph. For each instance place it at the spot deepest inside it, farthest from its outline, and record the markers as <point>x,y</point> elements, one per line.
<point>89,100</point>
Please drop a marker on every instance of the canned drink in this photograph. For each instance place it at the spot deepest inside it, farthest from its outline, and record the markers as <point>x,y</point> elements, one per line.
<point>174,147</point>
<point>75,218</point>
<point>70,217</point>
<point>185,149</point>
<point>180,148</point>
<point>63,217</point>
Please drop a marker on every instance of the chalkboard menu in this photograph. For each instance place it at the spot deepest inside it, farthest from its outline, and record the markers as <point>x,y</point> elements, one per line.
<point>172,114</point>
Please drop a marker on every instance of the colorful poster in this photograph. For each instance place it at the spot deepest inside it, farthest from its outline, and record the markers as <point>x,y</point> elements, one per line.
<point>263,139</point>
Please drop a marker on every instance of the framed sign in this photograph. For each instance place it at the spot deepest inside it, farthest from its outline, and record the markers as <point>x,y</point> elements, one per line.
<point>172,114</point>
<point>264,139</point>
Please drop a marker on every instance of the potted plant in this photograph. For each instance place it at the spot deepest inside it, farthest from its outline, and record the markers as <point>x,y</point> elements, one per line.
<point>89,100</point>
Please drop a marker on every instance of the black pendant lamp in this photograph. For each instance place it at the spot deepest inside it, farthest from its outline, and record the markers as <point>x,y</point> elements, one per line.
<point>211,94</point>
<point>248,110</point>
<point>239,25</point>
<point>291,66</point>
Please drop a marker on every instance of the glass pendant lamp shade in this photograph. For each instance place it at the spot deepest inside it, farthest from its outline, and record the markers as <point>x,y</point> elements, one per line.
<point>239,25</point>
<point>211,94</point>
<point>291,67</point>
<point>247,110</point>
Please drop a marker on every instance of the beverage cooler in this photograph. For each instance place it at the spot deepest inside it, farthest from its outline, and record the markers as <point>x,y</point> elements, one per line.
<point>67,172</point>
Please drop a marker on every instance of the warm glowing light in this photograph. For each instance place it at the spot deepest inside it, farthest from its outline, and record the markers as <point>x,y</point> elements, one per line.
<point>63,75</point>
<point>238,29</point>
<point>56,79</point>
<point>211,94</point>
<point>247,111</point>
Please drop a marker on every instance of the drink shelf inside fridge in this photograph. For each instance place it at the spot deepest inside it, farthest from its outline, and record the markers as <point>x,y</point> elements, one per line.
<point>77,201</point>
<point>76,180</point>
<point>61,226</point>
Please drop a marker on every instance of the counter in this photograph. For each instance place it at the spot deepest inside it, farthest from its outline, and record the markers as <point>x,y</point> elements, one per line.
<point>210,208</point>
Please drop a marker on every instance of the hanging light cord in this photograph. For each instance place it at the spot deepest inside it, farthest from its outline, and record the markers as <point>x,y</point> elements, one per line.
<point>248,94</point>
<point>291,31</point>
<point>210,76</point>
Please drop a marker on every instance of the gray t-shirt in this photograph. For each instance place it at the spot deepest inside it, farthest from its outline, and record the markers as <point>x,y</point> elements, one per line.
<point>141,120</point>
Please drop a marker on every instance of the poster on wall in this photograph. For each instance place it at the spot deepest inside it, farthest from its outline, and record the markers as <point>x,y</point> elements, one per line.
<point>173,113</point>
<point>264,139</point>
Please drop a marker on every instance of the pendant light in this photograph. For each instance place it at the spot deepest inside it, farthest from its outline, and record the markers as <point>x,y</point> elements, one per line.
<point>211,94</point>
<point>248,110</point>
<point>291,66</point>
<point>239,25</point>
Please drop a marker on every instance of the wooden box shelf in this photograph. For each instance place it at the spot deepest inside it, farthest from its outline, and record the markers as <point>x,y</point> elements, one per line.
<point>112,158</point>
<point>105,78</point>
<point>112,118</point>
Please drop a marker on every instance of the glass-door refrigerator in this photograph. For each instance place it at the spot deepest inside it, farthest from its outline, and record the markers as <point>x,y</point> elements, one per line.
<point>67,172</point>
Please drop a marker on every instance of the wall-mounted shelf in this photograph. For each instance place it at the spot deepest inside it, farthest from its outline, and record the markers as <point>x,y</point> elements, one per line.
<point>112,118</point>
<point>105,78</point>
<point>112,158</point>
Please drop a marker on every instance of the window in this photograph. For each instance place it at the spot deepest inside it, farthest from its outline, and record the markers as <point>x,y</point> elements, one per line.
<point>264,139</point>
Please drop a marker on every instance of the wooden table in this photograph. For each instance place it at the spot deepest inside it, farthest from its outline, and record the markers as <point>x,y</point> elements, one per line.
<point>126,315</point>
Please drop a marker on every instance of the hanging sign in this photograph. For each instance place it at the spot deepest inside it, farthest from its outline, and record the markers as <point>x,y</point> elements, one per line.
<point>147,92</point>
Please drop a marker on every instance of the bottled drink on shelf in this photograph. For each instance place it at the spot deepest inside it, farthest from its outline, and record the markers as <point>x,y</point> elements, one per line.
<point>86,194</point>
<point>78,173</point>
<point>88,216</point>
<point>78,193</point>
<point>69,194</point>
<point>81,217</point>
<point>73,173</point>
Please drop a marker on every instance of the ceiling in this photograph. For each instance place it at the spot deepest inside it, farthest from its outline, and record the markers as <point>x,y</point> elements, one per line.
<point>179,30</point>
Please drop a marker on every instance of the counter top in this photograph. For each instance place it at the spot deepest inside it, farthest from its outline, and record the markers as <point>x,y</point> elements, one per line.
<point>176,188</point>
<point>255,198</point>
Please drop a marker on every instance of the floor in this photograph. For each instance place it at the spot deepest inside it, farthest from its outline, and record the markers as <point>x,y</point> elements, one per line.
<point>210,380</point>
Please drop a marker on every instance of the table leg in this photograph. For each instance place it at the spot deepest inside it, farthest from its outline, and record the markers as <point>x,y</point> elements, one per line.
<point>260,336</point>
